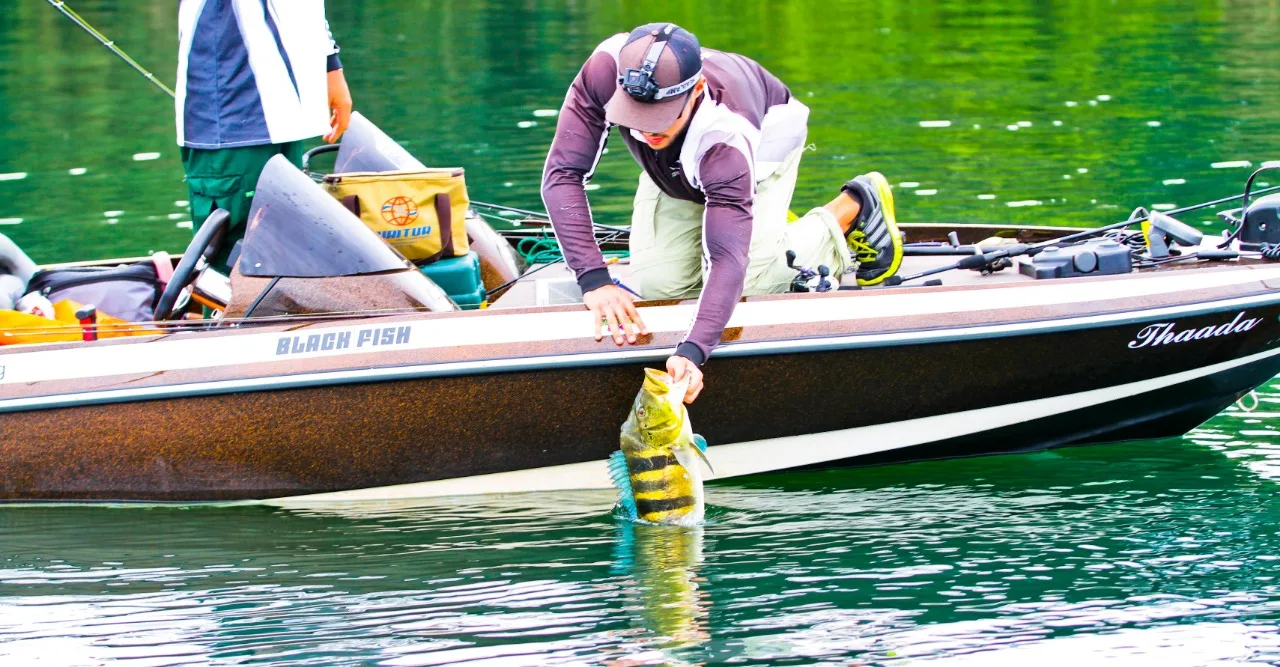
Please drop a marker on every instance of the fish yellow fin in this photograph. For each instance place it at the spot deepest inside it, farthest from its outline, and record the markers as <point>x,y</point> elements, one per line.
<point>683,458</point>
<point>700,448</point>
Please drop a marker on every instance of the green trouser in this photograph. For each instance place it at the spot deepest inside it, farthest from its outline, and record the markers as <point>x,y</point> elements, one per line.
<point>225,178</point>
<point>666,239</point>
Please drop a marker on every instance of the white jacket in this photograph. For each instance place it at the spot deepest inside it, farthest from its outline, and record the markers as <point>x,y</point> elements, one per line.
<point>252,72</point>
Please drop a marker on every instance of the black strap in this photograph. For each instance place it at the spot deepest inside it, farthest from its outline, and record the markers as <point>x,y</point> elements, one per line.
<point>651,64</point>
<point>444,213</point>
<point>352,203</point>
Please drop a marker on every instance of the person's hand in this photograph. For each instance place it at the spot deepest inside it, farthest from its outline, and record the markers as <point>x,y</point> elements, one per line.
<point>611,308</point>
<point>339,106</point>
<point>679,368</point>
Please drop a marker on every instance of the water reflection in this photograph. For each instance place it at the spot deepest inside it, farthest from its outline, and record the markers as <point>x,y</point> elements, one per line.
<point>1060,553</point>
<point>1008,112</point>
<point>1055,113</point>
<point>660,567</point>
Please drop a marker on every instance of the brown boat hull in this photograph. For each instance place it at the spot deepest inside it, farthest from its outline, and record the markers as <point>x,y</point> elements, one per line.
<point>360,435</point>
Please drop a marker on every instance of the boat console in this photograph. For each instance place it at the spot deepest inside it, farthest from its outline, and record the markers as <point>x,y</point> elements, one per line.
<point>305,253</point>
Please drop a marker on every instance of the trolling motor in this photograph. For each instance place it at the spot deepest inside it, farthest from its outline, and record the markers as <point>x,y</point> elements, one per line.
<point>1257,224</point>
<point>805,277</point>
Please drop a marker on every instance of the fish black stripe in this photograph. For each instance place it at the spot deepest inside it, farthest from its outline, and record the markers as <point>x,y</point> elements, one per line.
<point>647,464</point>
<point>666,505</point>
<point>641,486</point>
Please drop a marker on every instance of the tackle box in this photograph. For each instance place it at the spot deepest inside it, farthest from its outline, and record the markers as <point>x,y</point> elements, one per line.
<point>460,278</point>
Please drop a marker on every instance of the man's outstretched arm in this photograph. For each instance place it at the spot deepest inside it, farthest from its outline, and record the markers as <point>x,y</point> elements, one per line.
<point>581,133</point>
<point>726,232</point>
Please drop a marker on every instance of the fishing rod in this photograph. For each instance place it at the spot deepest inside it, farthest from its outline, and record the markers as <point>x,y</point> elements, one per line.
<point>986,259</point>
<point>511,209</point>
<point>544,218</point>
<point>102,39</point>
<point>608,239</point>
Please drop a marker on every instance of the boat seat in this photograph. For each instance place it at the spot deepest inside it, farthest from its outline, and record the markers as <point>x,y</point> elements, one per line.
<point>460,278</point>
<point>16,270</point>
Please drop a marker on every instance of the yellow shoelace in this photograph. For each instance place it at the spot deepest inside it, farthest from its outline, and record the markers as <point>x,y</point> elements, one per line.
<point>862,252</point>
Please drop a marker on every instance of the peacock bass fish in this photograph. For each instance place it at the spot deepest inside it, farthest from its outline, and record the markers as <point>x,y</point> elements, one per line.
<point>656,471</point>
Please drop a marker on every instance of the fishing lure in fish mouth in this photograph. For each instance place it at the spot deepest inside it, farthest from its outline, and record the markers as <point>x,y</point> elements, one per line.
<point>656,471</point>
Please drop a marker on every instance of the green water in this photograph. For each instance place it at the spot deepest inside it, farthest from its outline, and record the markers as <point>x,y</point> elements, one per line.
<point>1161,553</point>
<point>455,81</point>
<point>1060,112</point>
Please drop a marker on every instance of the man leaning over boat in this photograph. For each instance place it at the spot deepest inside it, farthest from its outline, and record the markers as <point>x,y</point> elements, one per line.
<point>254,80</point>
<point>719,140</point>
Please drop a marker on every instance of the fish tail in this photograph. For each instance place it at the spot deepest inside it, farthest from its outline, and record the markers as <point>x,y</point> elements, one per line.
<point>621,478</point>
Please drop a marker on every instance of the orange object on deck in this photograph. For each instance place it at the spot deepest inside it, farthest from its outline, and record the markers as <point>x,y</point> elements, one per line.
<point>20,328</point>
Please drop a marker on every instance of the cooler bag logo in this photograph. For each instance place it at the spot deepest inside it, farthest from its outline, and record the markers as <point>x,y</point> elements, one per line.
<point>399,211</point>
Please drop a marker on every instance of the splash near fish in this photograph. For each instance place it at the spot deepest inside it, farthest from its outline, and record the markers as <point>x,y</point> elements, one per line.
<point>656,470</point>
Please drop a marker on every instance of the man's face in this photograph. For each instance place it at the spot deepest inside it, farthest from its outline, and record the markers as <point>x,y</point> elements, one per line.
<point>660,140</point>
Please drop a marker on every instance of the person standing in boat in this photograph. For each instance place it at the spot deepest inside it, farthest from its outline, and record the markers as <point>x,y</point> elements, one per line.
<point>255,78</point>
<point>719,139</point>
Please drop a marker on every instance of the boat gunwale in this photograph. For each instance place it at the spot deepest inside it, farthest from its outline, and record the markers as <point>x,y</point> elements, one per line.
<point>356,319</point>
<point>591,359</point>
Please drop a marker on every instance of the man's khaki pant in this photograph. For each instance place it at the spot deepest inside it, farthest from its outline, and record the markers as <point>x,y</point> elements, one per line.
<point>666,239</point>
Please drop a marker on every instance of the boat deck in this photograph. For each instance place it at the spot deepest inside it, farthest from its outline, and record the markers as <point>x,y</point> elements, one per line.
<point>555,285</point>
<point>547,285</point>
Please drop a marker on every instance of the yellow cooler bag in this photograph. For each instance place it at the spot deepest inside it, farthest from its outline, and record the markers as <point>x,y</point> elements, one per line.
<point>422,214</point>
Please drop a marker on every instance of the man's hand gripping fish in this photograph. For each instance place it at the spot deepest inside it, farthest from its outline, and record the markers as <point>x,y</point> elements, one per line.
<point>657,472</point>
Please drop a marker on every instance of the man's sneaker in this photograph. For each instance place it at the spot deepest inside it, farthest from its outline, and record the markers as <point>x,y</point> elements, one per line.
<point>874,239</point>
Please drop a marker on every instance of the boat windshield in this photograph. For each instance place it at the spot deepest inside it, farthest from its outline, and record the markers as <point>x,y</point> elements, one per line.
<point>364,147</point>
<point>298,230</point>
